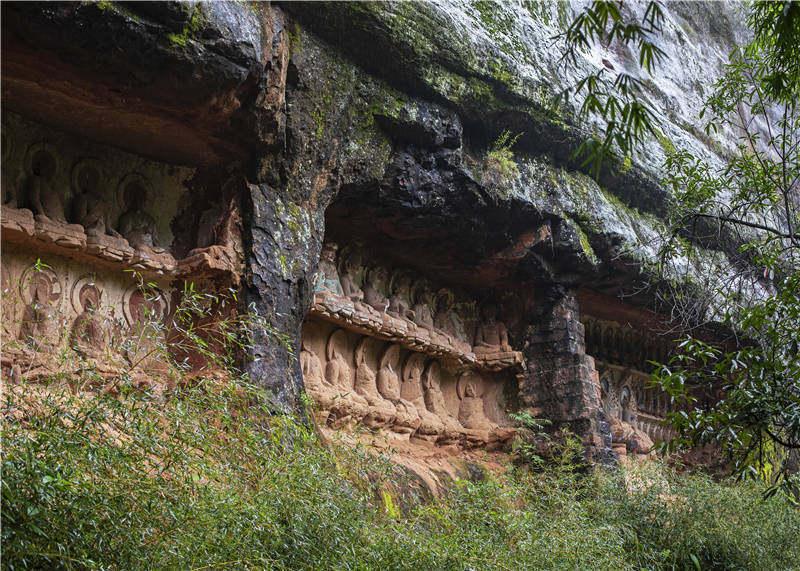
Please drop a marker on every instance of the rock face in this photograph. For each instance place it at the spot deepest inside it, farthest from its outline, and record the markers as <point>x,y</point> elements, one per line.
<point>260,139</point>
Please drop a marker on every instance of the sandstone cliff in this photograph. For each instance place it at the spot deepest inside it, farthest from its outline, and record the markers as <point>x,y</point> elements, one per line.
<point>370,124</point>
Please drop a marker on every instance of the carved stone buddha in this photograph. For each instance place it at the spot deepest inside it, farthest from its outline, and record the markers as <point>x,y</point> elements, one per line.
<point>328,275</point>
<point>135,224</point>
<point>44,198</point>
<point>423,307</point>
<point>314,381</point>
<point>406,419</point>
<point>38,326</point>
<point>435,403</point>
<point>447,318</point>
<point>375,288</point>
<point>349,276</point>
<point>399,302</point>
<point>471,413</point>
<point>491,335</point>
<point>87,335</point>
<point>89,206</point>
<point>412,391</point>
<point>381,411</point>
<point>348,407</point>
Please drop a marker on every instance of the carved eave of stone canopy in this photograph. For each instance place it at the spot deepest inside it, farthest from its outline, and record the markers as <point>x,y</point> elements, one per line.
<point>366,320</point>
<point>624,345</point>
<point>21,227</point>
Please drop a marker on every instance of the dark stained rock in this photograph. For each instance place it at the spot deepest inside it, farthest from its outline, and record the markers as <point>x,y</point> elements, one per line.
<point>162,79</point>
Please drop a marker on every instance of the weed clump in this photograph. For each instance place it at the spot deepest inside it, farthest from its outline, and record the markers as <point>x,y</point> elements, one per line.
<point>499,167</point>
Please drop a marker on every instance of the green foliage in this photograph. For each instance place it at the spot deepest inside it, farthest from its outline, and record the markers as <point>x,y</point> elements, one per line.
<point>206,478</point>
<point>748,207</point>
<point>675,521</point>
<point>210,325</point>
<point>756,420</point>
<point>500,168</point>
<point>201,479</point>
<point>776,29</point>
<point>531,439</point>
<point>613,97</point>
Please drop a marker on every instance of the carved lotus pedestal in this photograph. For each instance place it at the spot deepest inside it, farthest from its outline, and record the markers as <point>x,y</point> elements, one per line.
<point>109,248</point>
<point>17,223</point>
<point>151,259</point>
<point>69,236</point>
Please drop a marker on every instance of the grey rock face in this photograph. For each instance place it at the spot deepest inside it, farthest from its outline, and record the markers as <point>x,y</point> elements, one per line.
<point>372,122</point>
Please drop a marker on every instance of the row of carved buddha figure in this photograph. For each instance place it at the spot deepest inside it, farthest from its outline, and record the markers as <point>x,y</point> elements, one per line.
<point>86,203</point>
<point>36,319</point>
<point>373,289</point>
<point>634,410</point>
<point>380,386</point>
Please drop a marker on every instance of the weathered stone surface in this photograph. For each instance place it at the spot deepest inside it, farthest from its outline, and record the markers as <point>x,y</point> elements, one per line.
<point>369,125</point>
<point>561,382</point>
<point>497,66</point>
<point>163,79</point>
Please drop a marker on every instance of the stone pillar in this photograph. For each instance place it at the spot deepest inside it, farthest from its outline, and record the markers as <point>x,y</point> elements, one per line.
<point>282,245</point>
<point>561,382</point>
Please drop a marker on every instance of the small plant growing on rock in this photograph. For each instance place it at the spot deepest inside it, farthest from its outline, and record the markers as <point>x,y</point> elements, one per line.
<point>531,439</point>
<point>499,167</point>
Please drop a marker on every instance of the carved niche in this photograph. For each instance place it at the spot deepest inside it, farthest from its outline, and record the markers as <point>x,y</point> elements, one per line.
<point>350,276</point>
<point>621,345</point>
<point>89,334</point>
<point>449,321</point>
<point>40,291</point>
<point>491,335</point>
<point>346,406</point>
<point>382,411</point>
<point>375,286</point>
<point>412,391</point>
<point>635,409</point>
<point>37,183</point>
<point>626,400</point>
<point>393,354</point>
<point>451,429</point>
<point>400,300</point>
<point>74,208</point>
<point>328,274</point>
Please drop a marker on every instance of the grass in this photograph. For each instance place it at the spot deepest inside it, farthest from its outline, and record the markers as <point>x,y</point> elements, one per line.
<point>206,478</point>
<point>499,167</point>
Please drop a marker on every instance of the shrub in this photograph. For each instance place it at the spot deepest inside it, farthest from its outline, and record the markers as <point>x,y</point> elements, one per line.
<point>207,478</point>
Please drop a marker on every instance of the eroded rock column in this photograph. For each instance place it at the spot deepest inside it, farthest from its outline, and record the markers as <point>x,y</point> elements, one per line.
<point>283,252</point>
<point>561,382</point>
